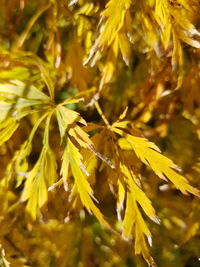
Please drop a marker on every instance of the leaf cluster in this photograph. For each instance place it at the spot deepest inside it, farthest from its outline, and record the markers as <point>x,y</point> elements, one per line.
<point>88,92</point>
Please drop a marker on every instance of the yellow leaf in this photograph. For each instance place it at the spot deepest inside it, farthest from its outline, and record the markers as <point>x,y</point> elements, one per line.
<point>5,108</point>
<point>138,195</point>
<point>42,174</point>
<point>107,73</point>
<point>65,168</point>
<point>7,129</point>
<point>65,117</point>
<point>150,154</point>
<point>83,187</point>
<point>20,89</point>
<point>35,190</point>
<point>120,199</point>
<point>81,137</point>
<point>129,218</point>
<point>50,167</point>
<point>125,47</point>
<point>133,223</point>
<point>110,27</point>
<point>113,23</point>
<point>110,65</point>
<point>46,77</point>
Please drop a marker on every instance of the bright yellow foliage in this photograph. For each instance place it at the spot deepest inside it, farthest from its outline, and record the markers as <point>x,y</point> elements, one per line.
<point>91,93</point>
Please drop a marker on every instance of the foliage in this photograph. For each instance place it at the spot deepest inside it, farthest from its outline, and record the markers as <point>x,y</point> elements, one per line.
<point>88,92</point>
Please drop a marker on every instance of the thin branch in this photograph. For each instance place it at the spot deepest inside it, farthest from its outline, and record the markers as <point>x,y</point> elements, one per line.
<point>101,114</point>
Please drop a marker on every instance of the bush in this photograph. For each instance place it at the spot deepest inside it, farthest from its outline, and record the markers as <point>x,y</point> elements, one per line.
<point>90,93</point>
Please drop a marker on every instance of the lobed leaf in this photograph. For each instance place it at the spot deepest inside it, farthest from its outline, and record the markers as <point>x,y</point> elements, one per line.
<point>150,154</point>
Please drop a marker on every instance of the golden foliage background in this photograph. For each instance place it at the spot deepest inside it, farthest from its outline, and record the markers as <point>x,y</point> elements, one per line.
<point>91,92</point>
